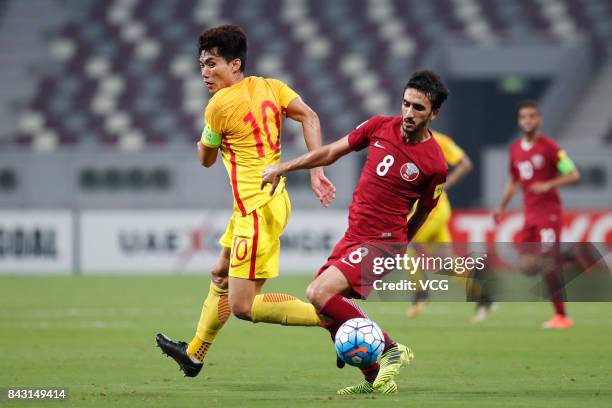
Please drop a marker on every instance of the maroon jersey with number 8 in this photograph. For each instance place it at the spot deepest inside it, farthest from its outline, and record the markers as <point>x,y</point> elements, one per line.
<point>394,176</point>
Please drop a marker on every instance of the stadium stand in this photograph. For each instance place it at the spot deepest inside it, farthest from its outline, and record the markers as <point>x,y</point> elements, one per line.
<point>124,73</point>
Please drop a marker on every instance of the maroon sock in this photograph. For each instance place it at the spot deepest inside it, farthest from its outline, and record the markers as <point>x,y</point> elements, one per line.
<point>555,288</point>
<point>332,327</point>
<point>388,342</point>
<point>370,373</point>
<point>559,307</point>
<point>341,309</point>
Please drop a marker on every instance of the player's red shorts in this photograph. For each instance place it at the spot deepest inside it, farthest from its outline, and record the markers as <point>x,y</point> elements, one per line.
<point>356,262</point>
<point>540,237</point>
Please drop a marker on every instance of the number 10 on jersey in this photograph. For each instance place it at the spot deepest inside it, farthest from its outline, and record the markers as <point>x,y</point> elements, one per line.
<point>251,120</point>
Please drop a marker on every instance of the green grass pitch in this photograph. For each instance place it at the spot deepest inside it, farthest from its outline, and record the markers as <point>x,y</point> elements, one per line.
<point>95,336</point>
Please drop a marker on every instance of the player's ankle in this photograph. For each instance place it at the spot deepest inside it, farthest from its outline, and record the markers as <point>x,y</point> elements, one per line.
<point>194,359</point>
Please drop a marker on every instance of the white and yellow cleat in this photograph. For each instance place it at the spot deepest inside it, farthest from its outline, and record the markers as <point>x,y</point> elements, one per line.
<point>390,363</point>
<point>366,387</point>
<point>416,309</point>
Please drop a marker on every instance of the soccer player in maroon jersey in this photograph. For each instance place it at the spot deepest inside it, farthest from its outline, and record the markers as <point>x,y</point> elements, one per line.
<point>539,166</point>
<point>404,164</point>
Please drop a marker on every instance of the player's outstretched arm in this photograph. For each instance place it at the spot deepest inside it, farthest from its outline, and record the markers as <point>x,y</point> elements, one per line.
<point>311,127</point>
<point>509,191</point>
<point>459,171</point>
<point>559,181</point>
<point>207,155</point>
<point>322,156</point>
<point>417,219</point>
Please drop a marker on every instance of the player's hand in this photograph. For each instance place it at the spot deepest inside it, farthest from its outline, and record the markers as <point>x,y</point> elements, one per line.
<point>498,214</point>
<point>271,175</point>
<point>322,187</point>
<point>540,187</point>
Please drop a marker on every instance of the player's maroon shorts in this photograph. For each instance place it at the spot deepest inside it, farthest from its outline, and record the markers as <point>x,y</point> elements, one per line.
<point>540,237</point>
<point>356,262</point>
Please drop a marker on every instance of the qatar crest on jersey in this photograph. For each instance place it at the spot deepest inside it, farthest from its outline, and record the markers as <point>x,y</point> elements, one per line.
<point>538,161</point>
<point>409,171</point>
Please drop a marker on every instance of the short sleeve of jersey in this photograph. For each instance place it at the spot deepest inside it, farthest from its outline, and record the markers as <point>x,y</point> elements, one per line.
<point>555,153</point>
<point>213,128</point>
<point>433,191</point>
<point>284,92</point>
<point>553,150</point>
<point>452,152</point>
<point>559,158</point>
<point>359,138</point>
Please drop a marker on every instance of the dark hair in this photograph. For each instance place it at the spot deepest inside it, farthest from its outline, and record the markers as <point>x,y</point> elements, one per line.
<point>528,104</point>
<point>431,85</point>
<point>229,40</point>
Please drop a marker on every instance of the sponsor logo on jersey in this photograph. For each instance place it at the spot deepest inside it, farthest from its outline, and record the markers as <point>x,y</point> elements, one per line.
<point>377,144</point>
<point>409,171</point>
<point>538,161</point>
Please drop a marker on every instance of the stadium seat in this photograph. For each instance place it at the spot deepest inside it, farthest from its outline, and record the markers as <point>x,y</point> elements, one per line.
<point>125,73</point>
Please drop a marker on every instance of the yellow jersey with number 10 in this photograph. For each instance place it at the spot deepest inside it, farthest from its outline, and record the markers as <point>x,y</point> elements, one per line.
<point>244,121</point>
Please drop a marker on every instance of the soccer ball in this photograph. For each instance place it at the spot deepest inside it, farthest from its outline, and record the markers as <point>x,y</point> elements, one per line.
<point>359,342</point>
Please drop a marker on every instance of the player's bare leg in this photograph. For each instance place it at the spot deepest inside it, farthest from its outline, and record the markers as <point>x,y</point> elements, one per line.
<point>279,308</point>
<point>241,296</point>
<point>215,313</point>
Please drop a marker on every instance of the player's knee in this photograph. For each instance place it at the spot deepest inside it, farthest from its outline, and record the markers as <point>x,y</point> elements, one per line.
<point>219,281</point>
<point>241,310</point>
<point>316,294</point>
<point>219,275</point>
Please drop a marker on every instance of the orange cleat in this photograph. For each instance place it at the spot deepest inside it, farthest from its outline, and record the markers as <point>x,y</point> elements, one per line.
<point>558,322</point>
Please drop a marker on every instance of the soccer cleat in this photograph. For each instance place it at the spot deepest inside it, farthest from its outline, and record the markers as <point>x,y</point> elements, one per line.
<point>340,362</point>
<point>558,322</point>
<point>366,387</point>
<point>390,362</point>
<point>178,351</point>
<point>416,309</point>
<point>482,312</point>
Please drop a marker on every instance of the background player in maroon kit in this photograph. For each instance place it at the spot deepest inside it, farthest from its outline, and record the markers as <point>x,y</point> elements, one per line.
<point>404,164</point>
<point>539,166</point>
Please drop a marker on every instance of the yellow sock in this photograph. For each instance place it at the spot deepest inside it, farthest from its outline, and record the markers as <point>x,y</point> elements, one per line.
<point>215,313</point>
<point>283,309</point>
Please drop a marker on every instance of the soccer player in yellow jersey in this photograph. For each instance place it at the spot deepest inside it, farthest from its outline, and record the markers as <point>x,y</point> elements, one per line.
<point>243,121</point>
<point>435,229</point>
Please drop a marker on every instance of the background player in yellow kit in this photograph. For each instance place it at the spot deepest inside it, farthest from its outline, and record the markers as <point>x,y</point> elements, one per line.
<point>435,229</point>
<point>243,120</point>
